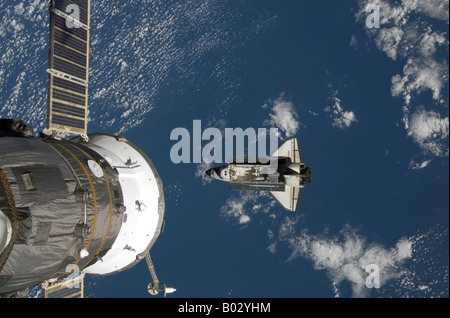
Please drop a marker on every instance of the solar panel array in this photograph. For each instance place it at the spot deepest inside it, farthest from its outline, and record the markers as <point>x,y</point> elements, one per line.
<point>71,287</point>
<point>68,66</point>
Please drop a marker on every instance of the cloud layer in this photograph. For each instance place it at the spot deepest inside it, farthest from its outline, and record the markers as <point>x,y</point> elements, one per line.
<point>130,65</point>
<point>344,257</point>
<point>416,33</point>
<point>242,206</point>
<point>340,117</point>
<point>200,172</point>
<point>283,116</point>
<point>428,129</point>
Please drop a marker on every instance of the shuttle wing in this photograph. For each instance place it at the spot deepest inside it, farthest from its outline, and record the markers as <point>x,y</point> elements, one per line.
<point>287,199</point>
<point>289,149</point>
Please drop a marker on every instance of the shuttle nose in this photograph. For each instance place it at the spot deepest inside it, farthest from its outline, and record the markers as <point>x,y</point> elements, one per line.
<point>213,173</point>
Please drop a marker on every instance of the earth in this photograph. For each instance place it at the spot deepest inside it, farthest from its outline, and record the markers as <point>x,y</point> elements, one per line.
<point>362,85</point>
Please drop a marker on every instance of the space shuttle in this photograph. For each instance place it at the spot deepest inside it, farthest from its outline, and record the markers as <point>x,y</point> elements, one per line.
<point>283,180</point>
<point>72,202</point>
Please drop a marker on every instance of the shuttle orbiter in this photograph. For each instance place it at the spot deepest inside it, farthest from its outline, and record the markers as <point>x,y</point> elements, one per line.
<point>283,180</point>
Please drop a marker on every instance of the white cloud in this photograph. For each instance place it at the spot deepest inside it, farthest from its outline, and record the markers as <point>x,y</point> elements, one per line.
<point>200,172</point>
<point>427,272</point>
<point>418,165</point>
<point>399,14</point>
<point>18,9</point>
<point>433,8</point>
<point>416,32</point>
<point>341,118</point>
<point>430,41</point>
<point>235,207</point>
<point>428,129</point>
<point>418,76</point>
<point>398,34</point>
<point>346,256</point>
<point>413,39</point>
<point>412,267</point>
<point>242,207</point>
<point>283,115</point>
<point>388,40</point>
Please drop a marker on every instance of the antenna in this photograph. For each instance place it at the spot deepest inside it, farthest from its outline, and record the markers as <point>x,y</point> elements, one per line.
<point>154,288</point>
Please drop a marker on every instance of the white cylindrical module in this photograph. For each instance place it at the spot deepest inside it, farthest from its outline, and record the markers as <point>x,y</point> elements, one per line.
<point>95,206</point>
<point>143,199</point>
